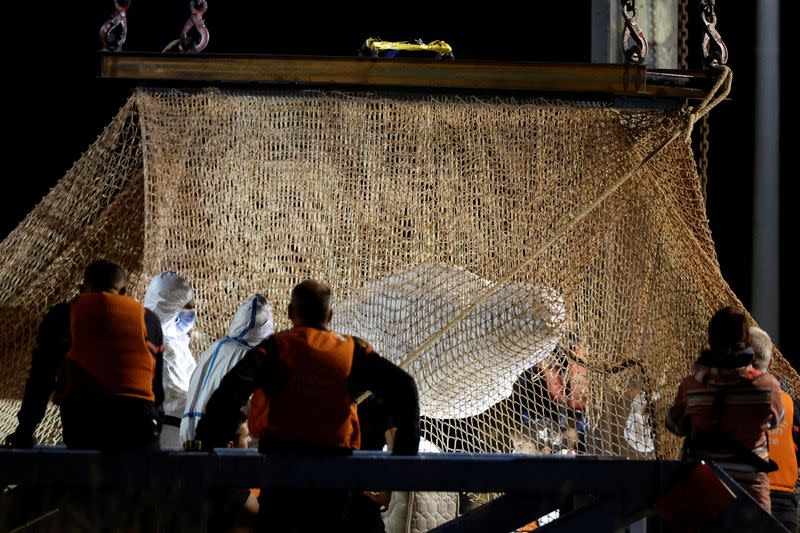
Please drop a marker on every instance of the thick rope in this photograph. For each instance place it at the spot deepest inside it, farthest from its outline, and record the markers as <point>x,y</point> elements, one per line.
<point>702,159</point>
<point>718,93</point>
<point>566,228</point>
<point>708,103</point>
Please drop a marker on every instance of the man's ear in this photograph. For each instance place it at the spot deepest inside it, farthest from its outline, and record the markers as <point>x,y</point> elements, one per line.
<point>290,311</point>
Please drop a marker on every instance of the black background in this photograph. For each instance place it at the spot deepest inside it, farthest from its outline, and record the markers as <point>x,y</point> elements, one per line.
<point>55,105</point>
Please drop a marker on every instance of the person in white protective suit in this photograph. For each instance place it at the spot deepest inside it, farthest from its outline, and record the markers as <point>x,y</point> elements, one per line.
<point>639,426</point>
<point>251,324</point>
<point>171,298</point>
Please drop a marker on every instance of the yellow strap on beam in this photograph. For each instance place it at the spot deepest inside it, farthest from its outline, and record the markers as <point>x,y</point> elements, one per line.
<point>440,47</point>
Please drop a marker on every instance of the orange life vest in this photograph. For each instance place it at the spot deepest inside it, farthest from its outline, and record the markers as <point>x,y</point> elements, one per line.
<point>256,417</point>
<point>109,353</point>
<point>570,391</point>
<point>783,450</point>
<point>312,403</point>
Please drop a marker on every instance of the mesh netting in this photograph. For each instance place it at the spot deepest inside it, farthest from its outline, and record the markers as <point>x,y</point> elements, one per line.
<point>544,269</point>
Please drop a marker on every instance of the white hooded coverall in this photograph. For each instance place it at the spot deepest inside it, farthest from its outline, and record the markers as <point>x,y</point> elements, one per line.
<point>251,324</point>
<point>166,296</point>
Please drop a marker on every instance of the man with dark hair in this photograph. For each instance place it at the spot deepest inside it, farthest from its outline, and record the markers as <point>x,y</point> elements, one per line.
<point>306,380</point>
<point>728,333</point>
<point>725,408</point>
<point>100,357</point>
<point>103,275</point>
<point>311,303</point>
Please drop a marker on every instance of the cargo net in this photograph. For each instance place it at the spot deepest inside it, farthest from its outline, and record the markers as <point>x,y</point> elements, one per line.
<point>544,269</point>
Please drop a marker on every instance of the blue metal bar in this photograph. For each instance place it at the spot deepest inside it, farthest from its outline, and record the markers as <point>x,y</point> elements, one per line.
<point>362,470</point>
<point>617,491</point>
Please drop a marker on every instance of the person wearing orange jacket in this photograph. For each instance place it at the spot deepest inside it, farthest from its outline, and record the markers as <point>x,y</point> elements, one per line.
<point>308,378</point>
<point>100,356</point>
<point>783,441</point>
<point>725,408</point>
<point>551,394</point>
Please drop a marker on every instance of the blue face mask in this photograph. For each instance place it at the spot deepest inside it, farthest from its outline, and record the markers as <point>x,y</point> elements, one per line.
<point>186,318</point>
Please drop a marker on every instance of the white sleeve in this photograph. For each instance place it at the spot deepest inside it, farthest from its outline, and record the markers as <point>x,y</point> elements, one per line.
<point>178,367</point>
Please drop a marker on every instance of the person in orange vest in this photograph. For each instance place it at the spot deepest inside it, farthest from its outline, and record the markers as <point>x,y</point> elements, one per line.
<point>783,441</point>
<point>567,382</point>
<point>725,408</point>
<point>308,378</point>
<point>556,389</point>
<point>100,356</point>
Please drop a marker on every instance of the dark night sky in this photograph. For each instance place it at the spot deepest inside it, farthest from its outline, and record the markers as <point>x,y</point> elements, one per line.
<point>57,106</point>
